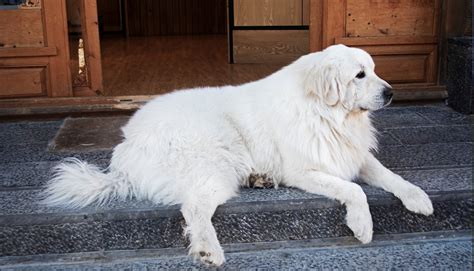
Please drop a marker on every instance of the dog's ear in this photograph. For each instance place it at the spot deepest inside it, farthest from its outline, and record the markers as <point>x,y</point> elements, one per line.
<point>333,86</point>
<point>323,81</point>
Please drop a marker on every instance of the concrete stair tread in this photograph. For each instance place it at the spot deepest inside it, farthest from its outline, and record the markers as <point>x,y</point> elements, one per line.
<point>440,250</point>
<point>272,220</point>
<point>447,182</point>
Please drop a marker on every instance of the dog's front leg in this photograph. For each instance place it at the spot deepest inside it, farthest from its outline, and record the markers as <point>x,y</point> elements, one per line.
<point>413,197</point>
<point>358,216</point>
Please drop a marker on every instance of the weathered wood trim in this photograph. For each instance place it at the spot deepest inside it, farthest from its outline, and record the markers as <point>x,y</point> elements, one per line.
<point>28,52</point>
<point>55,21</point>
<point>334,21</point>
<point>392,40</point>
<point>306,12</point>
<point>90,35</point>
<point>316,25</point>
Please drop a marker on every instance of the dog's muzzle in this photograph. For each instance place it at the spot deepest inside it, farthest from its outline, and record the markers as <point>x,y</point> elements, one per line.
<point>387,96</point>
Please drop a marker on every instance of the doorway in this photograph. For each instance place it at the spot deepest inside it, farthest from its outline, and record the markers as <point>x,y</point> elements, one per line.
<point>154,47</point>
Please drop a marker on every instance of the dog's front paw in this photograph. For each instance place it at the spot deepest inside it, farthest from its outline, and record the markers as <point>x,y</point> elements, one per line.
<point>211,255</point>
<point>359,221</point>
<point>417,201</point>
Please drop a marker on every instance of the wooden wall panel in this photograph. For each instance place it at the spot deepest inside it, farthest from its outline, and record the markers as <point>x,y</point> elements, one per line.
<point>22,81</point>
<point>269,46</point>
<point>390,18</point>
<point>109,15</point>
<point>21,28</point>
<point>175,17</point>
<point>268,13</point>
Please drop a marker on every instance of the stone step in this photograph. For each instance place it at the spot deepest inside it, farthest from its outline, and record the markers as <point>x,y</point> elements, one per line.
<point>410,137</point>
<point>30,166</point>
<point>434,250</point>
<point>257,215</point>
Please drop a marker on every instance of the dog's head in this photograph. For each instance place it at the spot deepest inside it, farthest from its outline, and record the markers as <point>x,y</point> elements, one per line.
<point>344,76</point>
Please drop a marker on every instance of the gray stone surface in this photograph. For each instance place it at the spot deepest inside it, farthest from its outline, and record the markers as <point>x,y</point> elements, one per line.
<point>40,152</point>
<point>442,115</point>
<point>460,74</point>
<point>434,181</point>
<point>25,133</point>
<point>293,222</point>
<point>434,134</point>
<point>21,166</point>
<point>426,155</point>
<point>386,138</point>
<point>31,174</point>
<point>398,117</point>
<point>85,134</point>
<point>418,254</point>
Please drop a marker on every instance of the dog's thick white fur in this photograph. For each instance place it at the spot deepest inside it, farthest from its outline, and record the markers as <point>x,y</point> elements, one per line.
<point>307,126</point>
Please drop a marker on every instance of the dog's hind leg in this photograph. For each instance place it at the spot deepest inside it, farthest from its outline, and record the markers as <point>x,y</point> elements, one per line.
<point>198,210</point>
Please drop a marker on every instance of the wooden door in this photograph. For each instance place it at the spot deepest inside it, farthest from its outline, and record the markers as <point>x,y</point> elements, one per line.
<point>402,35</point>
<point>35,53</point>
<point>34,50</point>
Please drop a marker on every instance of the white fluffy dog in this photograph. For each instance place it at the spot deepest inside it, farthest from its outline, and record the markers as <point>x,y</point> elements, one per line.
<point>306,126</point>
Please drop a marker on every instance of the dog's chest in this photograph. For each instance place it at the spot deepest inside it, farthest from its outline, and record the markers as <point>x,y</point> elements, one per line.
<point>339,151</point>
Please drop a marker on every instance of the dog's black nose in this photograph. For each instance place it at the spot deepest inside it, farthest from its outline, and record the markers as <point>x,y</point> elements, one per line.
<point>387,93</point>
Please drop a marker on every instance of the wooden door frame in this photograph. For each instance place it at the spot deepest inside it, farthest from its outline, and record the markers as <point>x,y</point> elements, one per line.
<point>55,22</point>
<point>90,35</point>
<point>316,21</point>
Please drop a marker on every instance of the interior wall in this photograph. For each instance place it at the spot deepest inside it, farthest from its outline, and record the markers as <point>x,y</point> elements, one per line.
<point>175,17</point>
<point>110,15</point>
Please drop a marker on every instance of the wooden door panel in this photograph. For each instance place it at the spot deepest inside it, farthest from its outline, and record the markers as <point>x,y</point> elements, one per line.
<point>27,30</point>
<point>268,13</point>
<point>269,46</point>
<point>390,18</point>
<point>23,81</point>
<point>395,69</point>
<point>34,53</point>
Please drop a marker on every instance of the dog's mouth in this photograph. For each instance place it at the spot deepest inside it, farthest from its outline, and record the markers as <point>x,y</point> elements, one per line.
<point>387,102</point>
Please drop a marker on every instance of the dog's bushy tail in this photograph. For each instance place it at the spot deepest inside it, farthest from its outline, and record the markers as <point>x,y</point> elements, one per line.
<point>76,184</point>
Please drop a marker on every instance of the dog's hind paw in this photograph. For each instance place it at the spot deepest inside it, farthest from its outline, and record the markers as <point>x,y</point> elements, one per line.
<point>257,180</point>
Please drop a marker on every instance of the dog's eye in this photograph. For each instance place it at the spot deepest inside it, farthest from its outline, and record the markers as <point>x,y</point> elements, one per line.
<point>360,75</point>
